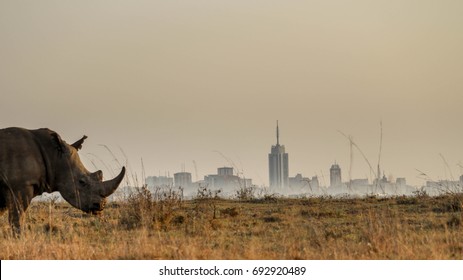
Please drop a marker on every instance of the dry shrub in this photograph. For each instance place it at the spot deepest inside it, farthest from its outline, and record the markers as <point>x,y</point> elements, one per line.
<point>245,193</point>
<point>229,211</point>
<point>152,209</point>
<point>205,202</point>
<point>452,203</point>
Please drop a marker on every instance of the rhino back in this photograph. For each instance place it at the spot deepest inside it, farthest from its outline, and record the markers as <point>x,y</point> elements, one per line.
<point>21,160</point>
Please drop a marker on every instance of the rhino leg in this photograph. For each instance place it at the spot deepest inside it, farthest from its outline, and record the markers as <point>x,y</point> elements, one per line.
<point>15,216</point>
<point>18,204</point>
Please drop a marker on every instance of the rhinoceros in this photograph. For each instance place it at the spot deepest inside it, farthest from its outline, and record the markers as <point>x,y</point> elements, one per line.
<point>38,161</point>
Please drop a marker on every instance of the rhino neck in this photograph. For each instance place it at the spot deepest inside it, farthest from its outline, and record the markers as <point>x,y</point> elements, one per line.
<point>47,183</point>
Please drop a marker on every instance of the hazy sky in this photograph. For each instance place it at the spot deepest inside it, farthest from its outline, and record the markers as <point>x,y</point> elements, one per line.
<point>172,82</point>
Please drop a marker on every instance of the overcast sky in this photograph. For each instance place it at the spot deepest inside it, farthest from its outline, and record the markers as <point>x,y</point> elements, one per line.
<point>172,82</point>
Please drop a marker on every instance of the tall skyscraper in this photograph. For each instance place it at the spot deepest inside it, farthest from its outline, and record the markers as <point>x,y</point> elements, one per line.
<point>335,175</point>
<point>278,166</point>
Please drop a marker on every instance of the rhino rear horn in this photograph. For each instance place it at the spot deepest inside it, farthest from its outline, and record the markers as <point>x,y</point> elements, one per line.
<point>110,186</point>
<point>78,144</point>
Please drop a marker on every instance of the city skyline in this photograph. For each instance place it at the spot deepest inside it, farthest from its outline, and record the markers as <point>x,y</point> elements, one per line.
<point>280,180</point>
<point>280,175</point>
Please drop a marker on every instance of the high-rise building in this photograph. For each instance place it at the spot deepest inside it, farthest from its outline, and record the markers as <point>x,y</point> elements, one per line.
<point>278,166</point>
<point>335,175</point>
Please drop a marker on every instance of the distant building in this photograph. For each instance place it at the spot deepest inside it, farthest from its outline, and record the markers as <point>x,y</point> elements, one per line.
<point>226,181</point>
<point>335,175</point>
<point>304,185</point>
<point>380,186</point>
<point>314,183</point>
<point>299,183</point>
<point>278,166</point>
<point>225,171</point>
<point>183,179</point>
<point>159,181</point>
<point>401,181</point>
<point>443,187</point>
<point>359,183</point>
<point>381,181</point>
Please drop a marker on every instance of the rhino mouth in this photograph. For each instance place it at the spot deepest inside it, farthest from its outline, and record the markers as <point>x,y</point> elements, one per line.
<point>96,208</point>
<point>96,212</point>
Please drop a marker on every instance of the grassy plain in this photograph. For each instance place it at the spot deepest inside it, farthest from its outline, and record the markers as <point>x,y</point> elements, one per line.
<point>164,226</point>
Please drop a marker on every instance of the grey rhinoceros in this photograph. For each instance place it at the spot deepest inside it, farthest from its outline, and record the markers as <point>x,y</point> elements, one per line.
<point>33,162</point>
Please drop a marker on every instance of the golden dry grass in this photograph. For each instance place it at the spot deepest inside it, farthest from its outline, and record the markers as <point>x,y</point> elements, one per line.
<point>268,228</point>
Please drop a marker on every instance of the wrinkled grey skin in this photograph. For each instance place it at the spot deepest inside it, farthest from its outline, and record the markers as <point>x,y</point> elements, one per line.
<point>36,161</point>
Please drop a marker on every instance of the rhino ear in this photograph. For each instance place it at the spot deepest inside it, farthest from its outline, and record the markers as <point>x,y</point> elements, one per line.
<point>78,144</point>
<point>59,144</point>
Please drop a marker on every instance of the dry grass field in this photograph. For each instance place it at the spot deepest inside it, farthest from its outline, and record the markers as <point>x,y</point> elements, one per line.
<point>164,226</point>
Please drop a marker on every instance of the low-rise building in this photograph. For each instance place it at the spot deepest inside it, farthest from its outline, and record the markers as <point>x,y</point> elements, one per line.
<point>226,181</point>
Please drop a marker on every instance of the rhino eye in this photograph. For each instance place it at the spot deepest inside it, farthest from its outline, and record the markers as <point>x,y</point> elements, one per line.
<point>83,182</point>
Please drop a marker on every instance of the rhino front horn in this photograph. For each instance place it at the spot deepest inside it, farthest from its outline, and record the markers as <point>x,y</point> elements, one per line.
<point>110,186</point>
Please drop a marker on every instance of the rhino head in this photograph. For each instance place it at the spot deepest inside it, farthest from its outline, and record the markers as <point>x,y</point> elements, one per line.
<point>82,189</point>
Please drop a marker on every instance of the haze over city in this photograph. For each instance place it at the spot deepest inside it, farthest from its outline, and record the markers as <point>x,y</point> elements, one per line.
<point>172,82</point>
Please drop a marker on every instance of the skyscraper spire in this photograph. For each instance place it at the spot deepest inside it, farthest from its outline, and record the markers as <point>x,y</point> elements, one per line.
<point>278,166</point>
